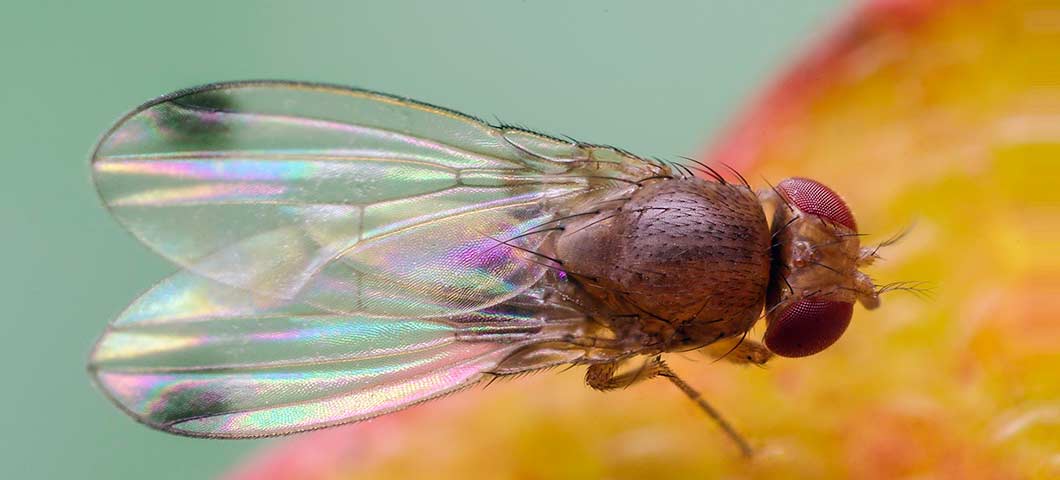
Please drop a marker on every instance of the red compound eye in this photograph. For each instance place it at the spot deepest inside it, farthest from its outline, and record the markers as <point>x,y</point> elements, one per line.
<point>807,327</point>
<point>812,197</point>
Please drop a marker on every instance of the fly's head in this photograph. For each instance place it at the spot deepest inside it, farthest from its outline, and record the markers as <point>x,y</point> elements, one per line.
<point>814,277</point>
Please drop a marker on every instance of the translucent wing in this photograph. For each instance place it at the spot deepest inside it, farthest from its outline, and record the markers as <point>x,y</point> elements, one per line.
<point>348,254</point>
<point>195,357</point>
<point>347,200</point>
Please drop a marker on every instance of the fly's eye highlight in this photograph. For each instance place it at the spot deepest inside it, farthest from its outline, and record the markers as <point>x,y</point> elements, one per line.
<point>814,198</point>
<point>807,327</point>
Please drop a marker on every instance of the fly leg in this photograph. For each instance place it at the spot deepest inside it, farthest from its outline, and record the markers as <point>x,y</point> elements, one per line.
<point>605,376</point>
<point>695,396</point>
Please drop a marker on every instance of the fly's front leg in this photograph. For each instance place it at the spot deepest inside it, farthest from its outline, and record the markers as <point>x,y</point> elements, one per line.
<point>605,376</point>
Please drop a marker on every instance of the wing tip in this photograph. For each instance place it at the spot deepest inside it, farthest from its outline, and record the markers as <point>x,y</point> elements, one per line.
<point>172,427</point>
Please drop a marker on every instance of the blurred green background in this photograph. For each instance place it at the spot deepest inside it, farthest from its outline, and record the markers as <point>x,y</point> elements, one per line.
<point>653,79</point>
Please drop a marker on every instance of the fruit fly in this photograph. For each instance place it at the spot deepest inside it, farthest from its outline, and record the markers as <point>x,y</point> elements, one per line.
<point>347,254</point>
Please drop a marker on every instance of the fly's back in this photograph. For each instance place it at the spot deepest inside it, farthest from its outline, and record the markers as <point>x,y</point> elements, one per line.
<point>688,257</point>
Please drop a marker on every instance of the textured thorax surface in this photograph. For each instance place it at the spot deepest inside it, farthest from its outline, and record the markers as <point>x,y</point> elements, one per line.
<point>689,258</point>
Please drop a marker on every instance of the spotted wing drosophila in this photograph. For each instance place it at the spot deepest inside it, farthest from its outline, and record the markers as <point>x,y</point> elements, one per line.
<point>347,254</point>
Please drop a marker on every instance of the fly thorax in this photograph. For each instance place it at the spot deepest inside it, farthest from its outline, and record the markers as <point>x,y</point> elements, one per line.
<point>689,257</point>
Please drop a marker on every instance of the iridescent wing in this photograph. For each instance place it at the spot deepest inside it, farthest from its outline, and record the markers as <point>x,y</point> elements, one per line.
<point>348,200</point>
<point>196,357</point>
<point>346,253</point>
